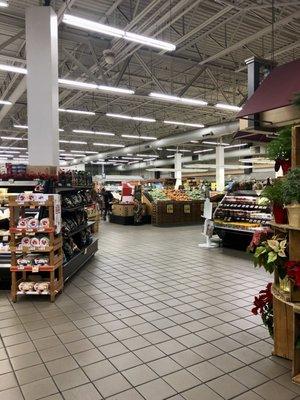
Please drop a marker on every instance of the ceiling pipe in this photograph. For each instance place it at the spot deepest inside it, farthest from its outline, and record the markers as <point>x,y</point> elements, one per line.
<point>214,131</point>
<point>188,159</point>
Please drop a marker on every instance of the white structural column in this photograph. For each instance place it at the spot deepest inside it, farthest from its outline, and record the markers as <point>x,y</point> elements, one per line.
<point>178,169</point>
<point>220,170</point>
<point>42,86</point>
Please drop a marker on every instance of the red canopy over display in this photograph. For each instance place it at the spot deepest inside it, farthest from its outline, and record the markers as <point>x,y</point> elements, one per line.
<point>277,90</point>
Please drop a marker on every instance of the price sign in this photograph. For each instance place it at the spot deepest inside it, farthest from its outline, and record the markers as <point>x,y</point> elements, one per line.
<point>35,268</point>
<point>187,208</point>
<point>170,209</point>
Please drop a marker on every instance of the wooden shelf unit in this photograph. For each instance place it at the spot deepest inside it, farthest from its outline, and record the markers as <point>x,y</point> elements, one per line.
<point>54,250</point>
<point>286,306</point>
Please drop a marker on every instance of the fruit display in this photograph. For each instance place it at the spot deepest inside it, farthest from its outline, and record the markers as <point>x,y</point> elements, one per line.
<point>176,195</point>
<point>195,194</point>
<point>158,195</point>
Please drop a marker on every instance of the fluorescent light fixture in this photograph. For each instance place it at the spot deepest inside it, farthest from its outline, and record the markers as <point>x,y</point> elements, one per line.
<point>148,155</point>
<point>183,124</point>
<point>3,3</point>
<point>143,119</point>
<point>21,126</point>
<point>72,141</point>
<point>12,138</point>
<point>171,156</point>
<point>69,111</point>
<point>77,142</point>
<point>194,141</point>
<point>132,158</point>
<point>61,130</point>
<point>179,151</point>
<point>93,86</point>
<point>139,137</point>
<point>78,151</point>
<point>228,107</point>
<point>93,132</point>
<point>9,151</point>
<point>236,145</point>
<point>13,148</point>
<point>182,100</point>
<point>12,68</point>
<point>119,161</point>
<point>83,23</point>
<point>79,84</point>
<point>202,151</point>
<point>109,144</point>
<point>5,102</point>
<point>115,89</point>
<point>216,143</point>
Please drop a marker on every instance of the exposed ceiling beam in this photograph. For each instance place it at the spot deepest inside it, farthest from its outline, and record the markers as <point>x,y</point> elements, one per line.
<point>12,39</point>
<point>251,38</point>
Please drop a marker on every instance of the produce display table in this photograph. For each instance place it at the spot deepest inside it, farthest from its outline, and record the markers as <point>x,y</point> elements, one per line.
<point>168,213</point>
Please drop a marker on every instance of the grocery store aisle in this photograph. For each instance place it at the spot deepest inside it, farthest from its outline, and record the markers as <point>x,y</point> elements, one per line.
<point>152,317</point>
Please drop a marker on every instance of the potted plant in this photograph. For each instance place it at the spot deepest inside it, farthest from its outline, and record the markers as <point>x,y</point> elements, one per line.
<point>280,149</point>
<point>275,194</point>
<point>291,196</point>
<point>263,305</point>
<point>271,255</point>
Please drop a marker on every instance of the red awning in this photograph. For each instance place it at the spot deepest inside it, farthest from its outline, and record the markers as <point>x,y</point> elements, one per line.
<point>277,90</point>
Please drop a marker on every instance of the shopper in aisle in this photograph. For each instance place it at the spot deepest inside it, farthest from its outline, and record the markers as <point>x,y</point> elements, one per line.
<point>107,199</point>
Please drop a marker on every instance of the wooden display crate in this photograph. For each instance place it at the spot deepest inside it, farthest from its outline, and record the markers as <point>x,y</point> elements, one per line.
<point>54,250</point>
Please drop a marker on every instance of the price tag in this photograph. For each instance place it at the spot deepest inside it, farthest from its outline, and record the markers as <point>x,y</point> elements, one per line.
<point>21,267</point>
<point>35,268</point>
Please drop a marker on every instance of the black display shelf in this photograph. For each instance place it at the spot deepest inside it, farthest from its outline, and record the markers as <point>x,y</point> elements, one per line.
<point>72,188</point>
<point>78,261</point>
<point>78,229</point>
<point>72,209</point>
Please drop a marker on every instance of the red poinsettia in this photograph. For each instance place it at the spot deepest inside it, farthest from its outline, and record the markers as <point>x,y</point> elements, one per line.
<point>293,271</point>
<point>264,305</point>
<point>265,297</point>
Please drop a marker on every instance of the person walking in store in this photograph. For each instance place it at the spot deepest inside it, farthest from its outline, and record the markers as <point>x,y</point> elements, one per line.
<point>107,201</point>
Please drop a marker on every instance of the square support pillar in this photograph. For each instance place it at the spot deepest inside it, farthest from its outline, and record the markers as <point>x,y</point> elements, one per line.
<point>220,170</point>
<point>42,86</point>
<point>178,169</point>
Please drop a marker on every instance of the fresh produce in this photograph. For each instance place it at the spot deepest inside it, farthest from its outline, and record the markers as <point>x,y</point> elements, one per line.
<point>195,194</point>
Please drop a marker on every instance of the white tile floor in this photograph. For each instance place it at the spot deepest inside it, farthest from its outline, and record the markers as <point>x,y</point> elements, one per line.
<point>151,317</point>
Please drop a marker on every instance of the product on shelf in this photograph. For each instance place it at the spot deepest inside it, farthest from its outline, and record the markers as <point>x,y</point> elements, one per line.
<point>242,212</point>
<point>42,287</point>
<point>26,286</point>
